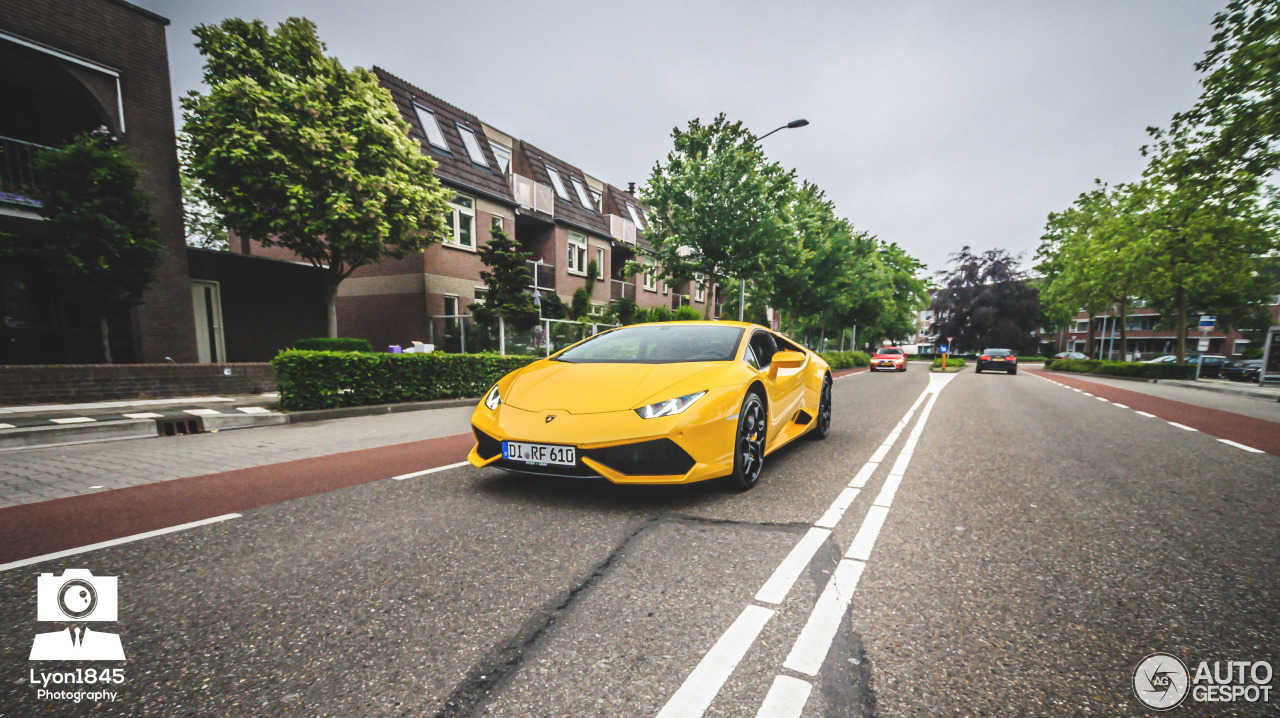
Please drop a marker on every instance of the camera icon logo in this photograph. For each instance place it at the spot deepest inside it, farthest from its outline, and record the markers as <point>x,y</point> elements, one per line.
<point>76,596</point>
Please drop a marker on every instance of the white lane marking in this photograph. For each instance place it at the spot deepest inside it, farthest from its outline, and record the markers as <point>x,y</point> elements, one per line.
<point>863,475</point>
<point>253,409</point>
<point>887,491</point>
<point>702,685</point>
<point>1086,393</point>
<point>881,452</point>
<point>1075,389</point>
<point>424,472</point>
<point>810,649</point>
<point>856,373</point>
<point>96,486</point>
<point>1143,413</point>
<point>144,415</point>
<point>1099,398</point>
<point>785,575</point>
<point>6,426</point>
<point>115,542</point>
<point>1122,406</point>
<point>838,507</point>
<point>786,698</point>
<point>201,412</point>
<point>1229,442</point>
<point>867,533</point>
<point>73,420</point>
<point>1181,426</point>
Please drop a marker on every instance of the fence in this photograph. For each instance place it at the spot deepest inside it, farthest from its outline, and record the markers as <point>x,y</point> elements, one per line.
<point>17,180</point>
<point>461,334</point>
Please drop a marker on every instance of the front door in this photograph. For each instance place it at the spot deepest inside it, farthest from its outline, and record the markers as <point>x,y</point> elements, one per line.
<point>207,301</point>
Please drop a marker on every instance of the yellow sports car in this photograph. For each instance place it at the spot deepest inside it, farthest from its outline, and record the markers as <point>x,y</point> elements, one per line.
<point>666,403</point>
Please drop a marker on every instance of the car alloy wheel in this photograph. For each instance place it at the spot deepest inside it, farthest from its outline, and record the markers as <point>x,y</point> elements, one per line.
<point>824,411</point>
<point>748,457</point>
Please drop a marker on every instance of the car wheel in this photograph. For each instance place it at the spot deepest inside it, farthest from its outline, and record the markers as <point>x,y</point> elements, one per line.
<point>977,369</point>
<point>871,368</point>
<point>823,419</point>
<point>748,449</point>
<point>1013,371</point>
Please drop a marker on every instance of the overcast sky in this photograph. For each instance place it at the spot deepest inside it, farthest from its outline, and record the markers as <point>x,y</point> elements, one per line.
<point>933,124</point>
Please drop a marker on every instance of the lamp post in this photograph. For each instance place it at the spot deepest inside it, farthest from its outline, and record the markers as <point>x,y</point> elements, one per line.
<point>742,281</point>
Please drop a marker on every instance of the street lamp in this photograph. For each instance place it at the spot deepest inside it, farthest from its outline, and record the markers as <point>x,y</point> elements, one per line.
<point>742,281</point>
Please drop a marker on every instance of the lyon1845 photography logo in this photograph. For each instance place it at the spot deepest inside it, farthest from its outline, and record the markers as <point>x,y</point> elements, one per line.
<point>1162,681</point>
<point>76,597</point>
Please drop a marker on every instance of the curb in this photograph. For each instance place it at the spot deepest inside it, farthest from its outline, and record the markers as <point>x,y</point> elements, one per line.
<point>34,437</point>
<point>303,417</point>
<point>1238,391</point>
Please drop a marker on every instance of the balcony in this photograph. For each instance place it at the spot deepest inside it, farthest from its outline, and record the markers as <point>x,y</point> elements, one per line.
<point>17,178</point>
<point>619,289</point>
<point>533,195</point>
<point>544,276</point>
<point>622,229</point>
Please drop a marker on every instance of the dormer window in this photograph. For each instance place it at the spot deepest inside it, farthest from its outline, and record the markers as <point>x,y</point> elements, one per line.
<point>431,128</point>
<point>472,144</point>
<point>503,154</point>
<point>598,200</point>
<point>635,216</point>
<point>558,183</point>
<point>583,197</point>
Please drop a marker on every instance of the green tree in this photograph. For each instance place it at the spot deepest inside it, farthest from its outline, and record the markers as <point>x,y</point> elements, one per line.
<point>716,205</point>
<point>985,301</point>
<point>204,225</point>
<point>508,279</point>
<point>97,239</point>
<point>296,151</point>
<point>580,305</point>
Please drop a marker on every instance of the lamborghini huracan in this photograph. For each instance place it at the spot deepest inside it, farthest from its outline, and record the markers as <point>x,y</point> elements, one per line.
<point>663,403</point>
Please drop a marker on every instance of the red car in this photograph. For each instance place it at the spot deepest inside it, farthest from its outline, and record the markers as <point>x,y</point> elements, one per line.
<point>889,358</point>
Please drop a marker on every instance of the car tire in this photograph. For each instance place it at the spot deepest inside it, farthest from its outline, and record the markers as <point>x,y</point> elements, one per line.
<point>748,444</point>
<point>1013,371</point>
<point>823,420</point>
<point>977,370</point>
<point>871,368</point>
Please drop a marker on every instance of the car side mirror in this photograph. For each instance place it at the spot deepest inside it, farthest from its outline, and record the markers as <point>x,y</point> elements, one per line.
<point>785,360</point>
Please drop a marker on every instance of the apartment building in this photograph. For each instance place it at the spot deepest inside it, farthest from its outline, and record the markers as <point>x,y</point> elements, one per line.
<point>1148,336</point>
<point>580,232</point>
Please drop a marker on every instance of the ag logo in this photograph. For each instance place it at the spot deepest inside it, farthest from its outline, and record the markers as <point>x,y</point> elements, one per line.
<point>1160,681</point>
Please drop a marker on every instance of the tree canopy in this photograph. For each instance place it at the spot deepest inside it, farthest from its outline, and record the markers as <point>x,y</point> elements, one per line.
<point>985,301</point>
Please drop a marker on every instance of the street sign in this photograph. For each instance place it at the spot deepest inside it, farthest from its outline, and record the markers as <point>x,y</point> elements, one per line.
<point>942,348</point>
<point>1207,322</point>
<point>1203,344</point>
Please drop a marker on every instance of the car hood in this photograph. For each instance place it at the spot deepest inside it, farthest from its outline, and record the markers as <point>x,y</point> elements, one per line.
<point>597,388</point>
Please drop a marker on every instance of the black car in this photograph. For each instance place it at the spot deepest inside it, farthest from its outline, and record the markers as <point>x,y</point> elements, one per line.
<point>1242,370</point>
<point>998,359</point>
<point>1210,365</point>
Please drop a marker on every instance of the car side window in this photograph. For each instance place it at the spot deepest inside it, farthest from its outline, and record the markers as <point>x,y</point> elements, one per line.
<point>786,346</point>
<point>750,358</point>
<point>764,347</point>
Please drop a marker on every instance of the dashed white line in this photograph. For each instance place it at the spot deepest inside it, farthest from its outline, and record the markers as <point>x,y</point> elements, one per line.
<point>1181,426</point>
<point>1250,449</point>
<point>1143,413</point>
<point>810,649</point>
<point>838,507</point>
<point>73,420</point>
<point>6,426</point>
<point>424,472</point>
<point>867,533</point>
<point>703,684</point>
<point>784,576</point>
<point>1100,398</point>
<point>115,542</point>
<point>1122,406</point>
<point>887,491</point>
<point>863,475</point>
<point>786,698</point>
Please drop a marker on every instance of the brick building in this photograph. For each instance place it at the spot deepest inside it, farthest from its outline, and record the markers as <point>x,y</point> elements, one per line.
<point>567,220</point>
<point>72,67</point>
<point>1147,335</point>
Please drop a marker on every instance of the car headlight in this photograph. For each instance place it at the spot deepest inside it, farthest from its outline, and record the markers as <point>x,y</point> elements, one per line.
<point>670,407</point>
<point>492,399</point>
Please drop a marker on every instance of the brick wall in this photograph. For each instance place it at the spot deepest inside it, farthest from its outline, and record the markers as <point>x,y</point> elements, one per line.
<point>65,383</point>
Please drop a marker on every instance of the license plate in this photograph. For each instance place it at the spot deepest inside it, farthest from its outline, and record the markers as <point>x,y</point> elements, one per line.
<point>886,363</point>
<point>997,358</point>
<point>539,454</point>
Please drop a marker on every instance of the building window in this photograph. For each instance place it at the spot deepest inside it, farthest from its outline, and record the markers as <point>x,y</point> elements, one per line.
<point>503,154</point>
<point>597,310</point>
<point>558,183</point>
<point>577,253</point>
<point>583,197</point>
<point>635,216</point>
<point>495,224</point>
<point>650,277</point>
<point>472,144</point>
<point>599,263</point>
<point>450,305</point>
<point>1275,299</point>
<point>599,201</point>
<point>1081,326</point>
<point>464,218</point>
<point>431,128</point>
<point>699,289</point>
<point>480,294</point>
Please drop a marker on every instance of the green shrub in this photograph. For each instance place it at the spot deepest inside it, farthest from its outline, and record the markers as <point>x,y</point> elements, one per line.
<point>687,314</point>
<point>581,304</point>
<point>324,380</point>
<point>333,344</point>
<point>952,363</point>
<point>845,360</point>
<point>1123,368</point>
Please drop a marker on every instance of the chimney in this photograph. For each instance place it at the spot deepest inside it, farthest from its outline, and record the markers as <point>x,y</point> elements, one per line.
<point>631,188</point>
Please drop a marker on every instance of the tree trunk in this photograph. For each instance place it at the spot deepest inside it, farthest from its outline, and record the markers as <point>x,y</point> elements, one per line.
<point>106,338</point>
<point>1090,350</point>
<point>332,306</point>
<point>1124,331</point>
<point>1180,299</point>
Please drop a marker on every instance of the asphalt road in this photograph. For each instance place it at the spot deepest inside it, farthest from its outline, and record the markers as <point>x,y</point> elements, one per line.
<point>1039,543</point>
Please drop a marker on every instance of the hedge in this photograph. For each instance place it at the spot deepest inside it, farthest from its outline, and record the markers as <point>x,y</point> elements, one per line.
<point>1123,368</point>
<point>333,344</point>
<point>845,360</point>
<point>326,379</point>
<point>952,363</point>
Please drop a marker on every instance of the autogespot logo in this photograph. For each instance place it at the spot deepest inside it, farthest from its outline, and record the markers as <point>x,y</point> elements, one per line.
<point>1160,681</point>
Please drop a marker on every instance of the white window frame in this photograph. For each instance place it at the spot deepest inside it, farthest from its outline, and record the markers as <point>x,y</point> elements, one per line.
<point>635,215</point>
<point>429,121</point>
<point>480,294</point>
<point>474,150</point>
<point>576,258</point>
<point>600,262</point>
<point>699,289</point>
<point>457,213</point>
<point>503,155</point>
<point>650,277</point>
<point>457,305</point>
<point>599,201</point>
<point>581,189</point>
<point>596,310</point>
<point>557,182</point>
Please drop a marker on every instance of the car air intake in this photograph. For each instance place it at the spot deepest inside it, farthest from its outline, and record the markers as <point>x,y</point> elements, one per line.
<point>486,446</point>
<point>662,457</point>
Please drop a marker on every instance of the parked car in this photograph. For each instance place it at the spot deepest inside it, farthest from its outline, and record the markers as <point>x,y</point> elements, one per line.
<point>1242,370</point>
<point>1210,365</point>
<point>1166,359</point>
<point>889,358</point>
<point>1070,355</point>
<point>1001,359</point>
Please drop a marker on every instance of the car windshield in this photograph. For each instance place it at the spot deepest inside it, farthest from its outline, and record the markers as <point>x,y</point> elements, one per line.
<point>1003,352</point>
<point>657,344</point>
<point>889,350</point>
